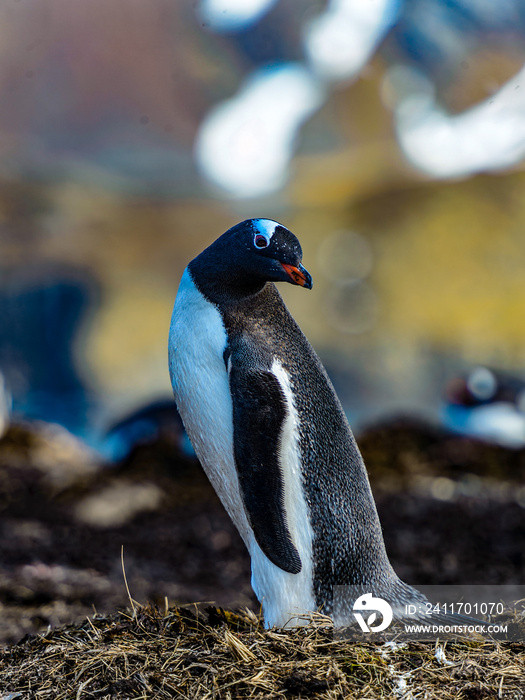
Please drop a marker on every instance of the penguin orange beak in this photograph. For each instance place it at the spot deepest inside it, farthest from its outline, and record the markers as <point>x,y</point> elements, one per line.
<point>298,275</point>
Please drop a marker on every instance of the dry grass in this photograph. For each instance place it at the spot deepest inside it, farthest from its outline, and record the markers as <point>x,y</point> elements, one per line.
<point>190,653</point>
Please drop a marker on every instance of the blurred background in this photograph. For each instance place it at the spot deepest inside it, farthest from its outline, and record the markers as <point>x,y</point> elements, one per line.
<point>388,135</point>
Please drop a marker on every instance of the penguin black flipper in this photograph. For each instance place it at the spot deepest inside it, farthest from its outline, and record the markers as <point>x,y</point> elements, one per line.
<point>259,411</point>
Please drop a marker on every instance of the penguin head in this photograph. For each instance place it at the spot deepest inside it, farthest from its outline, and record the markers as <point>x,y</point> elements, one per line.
<point>250,254</point>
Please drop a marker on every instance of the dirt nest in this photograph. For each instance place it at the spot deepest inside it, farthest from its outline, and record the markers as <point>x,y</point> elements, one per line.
<point>185,653</point>
<point>452,511</point>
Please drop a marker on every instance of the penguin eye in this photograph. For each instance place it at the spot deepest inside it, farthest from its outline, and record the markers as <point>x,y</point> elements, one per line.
<point>261,241</point>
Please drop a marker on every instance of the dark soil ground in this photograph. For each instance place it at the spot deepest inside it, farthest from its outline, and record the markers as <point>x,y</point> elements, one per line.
<point>452,510</point>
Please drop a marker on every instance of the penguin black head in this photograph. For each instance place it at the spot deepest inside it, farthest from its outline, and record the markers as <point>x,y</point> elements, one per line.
<point>247,256</point>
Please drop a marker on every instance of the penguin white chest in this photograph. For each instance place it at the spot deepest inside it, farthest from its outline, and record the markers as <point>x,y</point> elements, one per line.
<point>200,384</point>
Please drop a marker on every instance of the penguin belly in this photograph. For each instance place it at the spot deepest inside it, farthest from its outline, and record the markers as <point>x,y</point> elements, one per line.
<point>200,384</point>
<point>199,376</point>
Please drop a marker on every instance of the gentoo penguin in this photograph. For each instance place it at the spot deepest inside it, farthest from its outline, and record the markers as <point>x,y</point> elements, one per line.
<point>156,425</point>
<point>269,430</point>
<point>488,405</point>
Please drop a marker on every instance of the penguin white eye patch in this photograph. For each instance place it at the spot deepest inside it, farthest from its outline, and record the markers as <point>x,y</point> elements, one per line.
<point>263,231</point>
<point>261,241</point>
